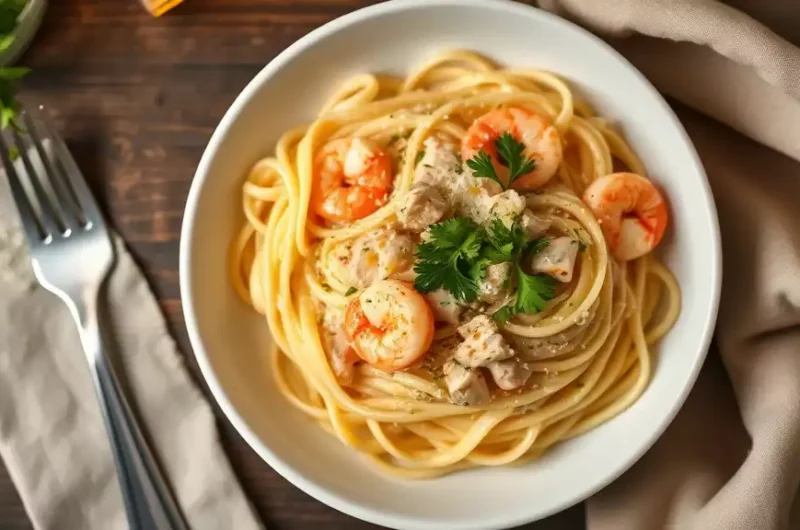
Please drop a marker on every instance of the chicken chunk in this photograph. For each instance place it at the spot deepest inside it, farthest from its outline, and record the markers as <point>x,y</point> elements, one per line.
<point>466,386</point>
<point>557,259</point>
<point>360,262</point>
<point>421,207</point>
<point>506,206</point>
<point>533,225</point>
<point>442,168</point>
<point>495,282</point>
<point>440,165</point>
<point>484,207</point>
<point>509,374</point>
<point>341,356</point>
<point>444,305</point>
<point>482,344</point>
<point>480,199</point>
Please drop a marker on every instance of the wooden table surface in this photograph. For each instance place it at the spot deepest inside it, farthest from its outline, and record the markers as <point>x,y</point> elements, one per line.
<point>137,99</point>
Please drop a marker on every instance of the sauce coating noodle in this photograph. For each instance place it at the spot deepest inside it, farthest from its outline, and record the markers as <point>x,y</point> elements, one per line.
<point>591,345</point>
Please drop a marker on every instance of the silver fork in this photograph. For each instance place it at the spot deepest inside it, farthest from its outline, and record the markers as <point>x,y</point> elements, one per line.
<point>72,255</point>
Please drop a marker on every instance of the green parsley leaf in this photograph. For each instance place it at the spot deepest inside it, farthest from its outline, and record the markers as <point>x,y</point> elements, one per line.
<point>9,107</point>
<point>504,314</point>
<point>471,248</point>
<point>511,154</point>
<point>450,235</point>
<point>533,292</point>
<point>8,112</point>
<point>506,239</point>
<point>482,166</point>
<point>10,11</point>
<point>431,276</point>
<point>449,259</point>
<point>536,246</point>
<point>478,269</point>
<point>456,255</point>
<point>351,291</point>
<point>13,74</point>
<point>494,255</point>
<point>6,41</point>
<point>420,156</point>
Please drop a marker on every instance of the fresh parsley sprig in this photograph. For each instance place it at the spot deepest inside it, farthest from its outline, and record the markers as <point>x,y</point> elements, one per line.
<point>505,240</point>
<point>533,290</point>
<point>9,108</point>
<point>511,153</point>
<point>458,251</point>
<point>449,259</point>
<point>533,293</point>
<point>483,166</point>
<point>10,11</point>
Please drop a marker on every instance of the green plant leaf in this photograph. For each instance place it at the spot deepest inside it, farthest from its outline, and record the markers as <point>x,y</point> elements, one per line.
<point>5,42</point>
<point>14,73</point>
<point>9,14</point>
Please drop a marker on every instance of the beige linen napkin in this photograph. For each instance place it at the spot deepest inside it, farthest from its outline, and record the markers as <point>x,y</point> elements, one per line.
<point>719,468</point>
<point>52,437</point>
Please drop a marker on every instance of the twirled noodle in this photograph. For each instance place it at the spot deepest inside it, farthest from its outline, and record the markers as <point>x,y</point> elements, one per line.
<point>589,348</point>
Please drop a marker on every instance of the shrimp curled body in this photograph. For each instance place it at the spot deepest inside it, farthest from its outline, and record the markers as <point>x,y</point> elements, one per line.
<point>353,179</point>
<point>631,211</point>
<point>540,138</point>
<point>390,325</point>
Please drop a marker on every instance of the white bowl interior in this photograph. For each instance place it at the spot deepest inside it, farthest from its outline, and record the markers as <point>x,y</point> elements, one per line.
<point>231,342</point>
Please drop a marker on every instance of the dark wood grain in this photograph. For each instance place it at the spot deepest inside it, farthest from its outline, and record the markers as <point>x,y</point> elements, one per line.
<point>137,99</point>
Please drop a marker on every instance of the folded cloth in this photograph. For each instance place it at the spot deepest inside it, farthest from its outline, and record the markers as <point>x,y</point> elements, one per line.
<point>716,467</point>
<point>52,437</point>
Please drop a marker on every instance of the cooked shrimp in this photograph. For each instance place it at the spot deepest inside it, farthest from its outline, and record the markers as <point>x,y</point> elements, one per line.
<point>541,140</point>
<point>631,211</point>
<point>353,179</point>
<point>390,325</point>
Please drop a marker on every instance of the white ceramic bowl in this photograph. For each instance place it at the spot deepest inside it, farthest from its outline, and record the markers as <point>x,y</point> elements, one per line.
<point>230,341</point>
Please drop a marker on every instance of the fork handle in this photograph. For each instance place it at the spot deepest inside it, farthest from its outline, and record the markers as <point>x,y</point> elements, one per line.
<point>148,502</point>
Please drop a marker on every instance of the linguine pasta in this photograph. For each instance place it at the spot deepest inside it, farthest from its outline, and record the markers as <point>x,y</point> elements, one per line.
<point>589,349</point>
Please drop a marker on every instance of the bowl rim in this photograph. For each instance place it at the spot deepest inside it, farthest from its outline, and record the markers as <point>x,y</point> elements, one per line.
<point>308,485</point>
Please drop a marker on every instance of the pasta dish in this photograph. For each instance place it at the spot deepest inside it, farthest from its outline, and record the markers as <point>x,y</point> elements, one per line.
<point>456,267</point>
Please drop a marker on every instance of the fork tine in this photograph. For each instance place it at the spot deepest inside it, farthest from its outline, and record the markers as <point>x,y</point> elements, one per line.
<point>49,218</point>
<point>30,223</point>
<point>72,217</point>
<point>70,170</point>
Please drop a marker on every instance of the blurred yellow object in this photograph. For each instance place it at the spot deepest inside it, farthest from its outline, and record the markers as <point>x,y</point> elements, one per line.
<point>159,7</point>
